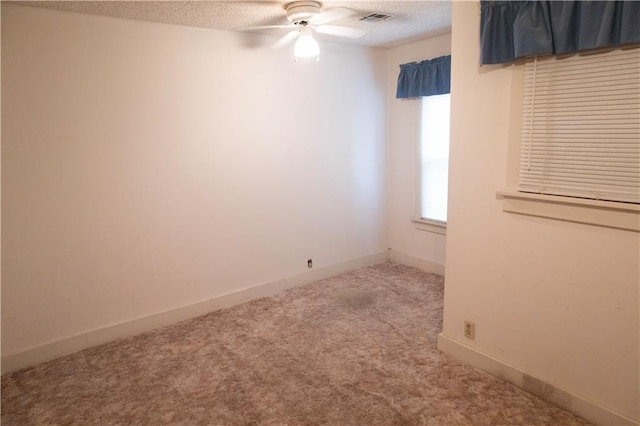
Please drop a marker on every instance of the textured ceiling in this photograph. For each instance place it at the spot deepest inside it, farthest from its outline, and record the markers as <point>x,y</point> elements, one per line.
<point>411,21</point>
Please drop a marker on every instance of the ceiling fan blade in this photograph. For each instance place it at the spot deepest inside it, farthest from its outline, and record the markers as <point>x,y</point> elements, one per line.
<point>285,39</point>
<point>340,31</point>
<point>332,14</point>
<point>268,27</point>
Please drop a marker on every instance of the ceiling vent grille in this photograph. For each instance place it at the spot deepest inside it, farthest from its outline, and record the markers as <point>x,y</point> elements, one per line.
<point>375,17</point>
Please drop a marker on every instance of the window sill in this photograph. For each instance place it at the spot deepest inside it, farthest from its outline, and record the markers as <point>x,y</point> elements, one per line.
<point>593,212</point>
<point>430,226</point>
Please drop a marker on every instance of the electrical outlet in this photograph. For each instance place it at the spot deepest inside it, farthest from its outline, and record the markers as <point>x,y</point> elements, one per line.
<point>469,330</point>
<point>310,263</point>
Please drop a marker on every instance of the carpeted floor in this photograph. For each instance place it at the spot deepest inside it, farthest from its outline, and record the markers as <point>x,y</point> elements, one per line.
<point>355,349</point>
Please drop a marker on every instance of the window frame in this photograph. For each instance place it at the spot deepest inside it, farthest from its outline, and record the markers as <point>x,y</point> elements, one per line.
<point>610,214</point>
<point>428,225</point>
<point>419,222</point>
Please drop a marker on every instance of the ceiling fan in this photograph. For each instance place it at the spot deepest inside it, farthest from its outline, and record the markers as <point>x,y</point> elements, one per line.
<point>304,18</point>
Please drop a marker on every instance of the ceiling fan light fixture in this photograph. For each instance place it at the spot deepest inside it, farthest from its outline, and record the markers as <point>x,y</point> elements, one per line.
<point>306,46</point>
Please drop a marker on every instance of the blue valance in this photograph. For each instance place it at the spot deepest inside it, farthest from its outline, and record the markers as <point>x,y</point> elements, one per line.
<point>426,78</point>
<point>513,29</point>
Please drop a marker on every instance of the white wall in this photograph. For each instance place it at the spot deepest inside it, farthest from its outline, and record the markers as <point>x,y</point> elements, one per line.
<point>0,193</point>
<point>554,299</point>
<point>147,167</point>
<point>407,243</point>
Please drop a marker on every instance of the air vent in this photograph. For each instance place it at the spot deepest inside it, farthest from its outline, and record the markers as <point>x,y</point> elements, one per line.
<point>375,17</point>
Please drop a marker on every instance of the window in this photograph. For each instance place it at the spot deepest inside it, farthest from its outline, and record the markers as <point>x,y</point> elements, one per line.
<point>434,159</point>
<point>580,139</point>
<point>581,126</point>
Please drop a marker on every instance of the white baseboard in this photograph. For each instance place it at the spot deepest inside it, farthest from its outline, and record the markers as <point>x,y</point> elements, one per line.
<point>82,341</point>
<point>416,262</point>
<point>546,391</point>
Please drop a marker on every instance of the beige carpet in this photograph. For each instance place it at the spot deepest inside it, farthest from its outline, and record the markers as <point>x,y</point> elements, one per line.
<point>355,349</point>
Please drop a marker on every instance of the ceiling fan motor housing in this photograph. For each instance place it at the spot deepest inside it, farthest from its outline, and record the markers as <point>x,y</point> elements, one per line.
<point>302,11</point>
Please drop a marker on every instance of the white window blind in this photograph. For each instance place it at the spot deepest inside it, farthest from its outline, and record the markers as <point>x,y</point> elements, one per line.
<point>434,157</point>
<point>581,126</point>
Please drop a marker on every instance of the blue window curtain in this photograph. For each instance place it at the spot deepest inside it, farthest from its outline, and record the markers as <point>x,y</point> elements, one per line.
<point>426,78</point>
<point>513,29</point>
